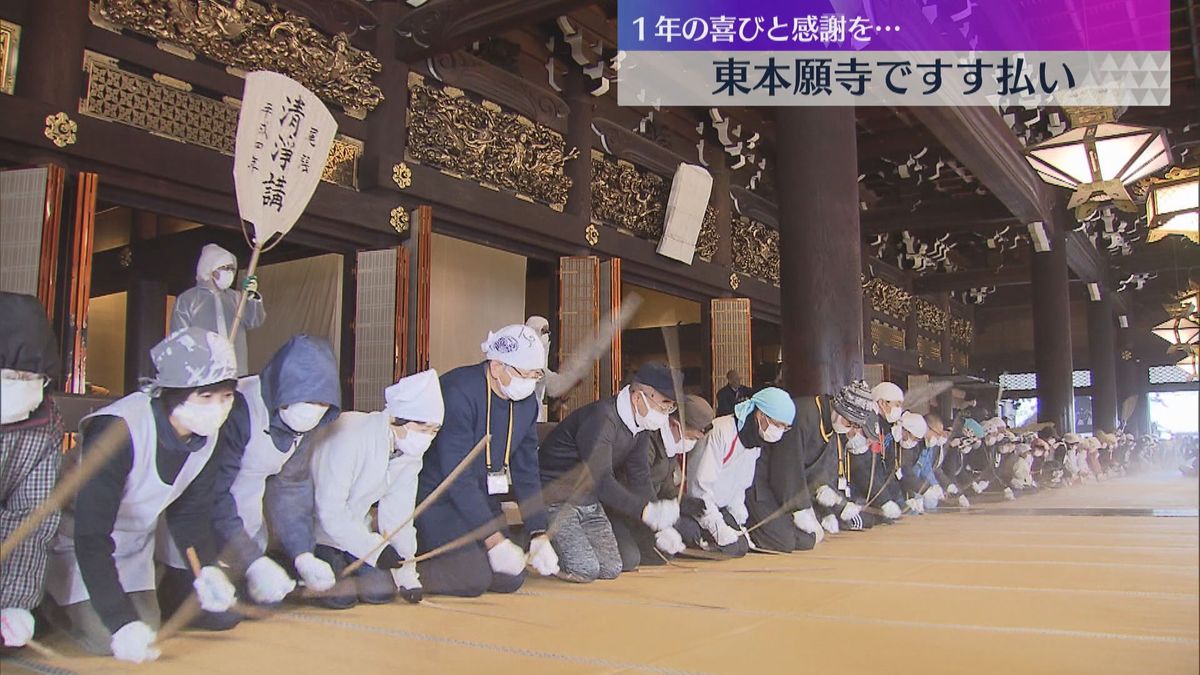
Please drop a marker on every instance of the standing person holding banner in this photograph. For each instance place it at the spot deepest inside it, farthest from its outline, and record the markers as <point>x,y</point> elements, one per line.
<point>212,305</point>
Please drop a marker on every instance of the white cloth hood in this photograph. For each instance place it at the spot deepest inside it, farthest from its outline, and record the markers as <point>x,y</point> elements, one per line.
<point>887,391</point>
<point>516,345</point>
<point>416,397</point>
<point>212,257</point>
<point>915,424</point>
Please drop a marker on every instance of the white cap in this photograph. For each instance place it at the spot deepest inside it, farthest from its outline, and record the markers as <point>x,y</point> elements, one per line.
<point>212,257</point>
<point>886,391</point>
<point>417,398</point>
<point>914,424</point>
<point>517,346</point>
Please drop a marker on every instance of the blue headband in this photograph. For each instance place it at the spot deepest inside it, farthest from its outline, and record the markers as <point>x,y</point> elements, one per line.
<point>774,402</point>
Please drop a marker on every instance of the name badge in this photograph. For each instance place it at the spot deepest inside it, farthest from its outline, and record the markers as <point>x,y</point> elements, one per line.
<point>843,486</point>
<point>899,474</point>
<point>498,483</point>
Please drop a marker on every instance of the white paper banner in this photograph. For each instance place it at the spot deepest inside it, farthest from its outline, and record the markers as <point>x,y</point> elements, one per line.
<point>283,139</point>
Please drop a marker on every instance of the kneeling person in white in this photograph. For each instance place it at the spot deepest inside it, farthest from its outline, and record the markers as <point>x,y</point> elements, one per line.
<point>101,571</point>
<point>364,458</point>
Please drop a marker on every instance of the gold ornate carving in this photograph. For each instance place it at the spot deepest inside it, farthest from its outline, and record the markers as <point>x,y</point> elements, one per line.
<point>756,250</point>
<point>962,330</point>
<point>927,348</point>
<point>250,36</point>
<point>10,44</point>
<point>889,299</point>
<point>874,349</point>
<point>61,129</point>
<point>399,220</point>
<point>116,95</point>
<point>591,235</point>
<point>126,257</point>
<point>887,335</point>
<point>1126,355</point>
<point>709,239</point>
<point>959,360</point>
<point>402,175</point>
<point>463,138</point>
<point>930,317</point>
<point>627,197</point>
<point>734,281</point>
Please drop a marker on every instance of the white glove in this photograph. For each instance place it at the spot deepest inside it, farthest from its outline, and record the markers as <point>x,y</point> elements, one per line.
<point>807,521</point>
<point>661,514</point>
<point>739,513</point>
<point>214,591</point>
<point>952,489</point>
<point>725,535</point>
<point>506,558</point>
<point>916,505</point>
<point>1008,494</point>
<point>891,510</point>
<point>934,493</point>
<point>317,573</point>
<point>930,504</point>
<point>406,576</point>
<point>542,556</point>
<point>267,581</point>
<point>980,486</point>
<point>830,524</point>
<point>826,496</point>
<point>668,541</point>
<point>850,511</point>
<point>16,626</point>
<point>964,502</point>
<point>134,642</point>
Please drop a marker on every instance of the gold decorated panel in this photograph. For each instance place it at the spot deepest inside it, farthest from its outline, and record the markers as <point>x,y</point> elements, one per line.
<point>250,36</point>
<point>628,197</point>
<point>930,349</point>
<point>887,335</point>
<point>120,96</point>
<point>888,299</point>
<point>10,45</point>
<point>482,142</point>
<point>756,250</point>
<point>930,317</point>
<point>962,331</point>
<point>706,243</point>
<point>959,359</point>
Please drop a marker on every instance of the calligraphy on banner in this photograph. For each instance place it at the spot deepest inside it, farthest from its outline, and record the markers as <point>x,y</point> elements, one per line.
<point>283,138</point>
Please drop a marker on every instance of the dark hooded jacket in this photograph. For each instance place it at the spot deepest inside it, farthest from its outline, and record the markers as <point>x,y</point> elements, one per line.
<point>27,341</point>
<point>781,477</point>
<point>303,370</point>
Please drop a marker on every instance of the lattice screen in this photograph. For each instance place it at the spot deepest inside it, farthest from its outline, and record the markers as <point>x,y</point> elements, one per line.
<point>1081,378</point>
<point>579,321</point>
<point>22,209</point>
<point>374,327</point>
<point>1019,381</point>
<point>1167,375</point>
<point>731,340</point>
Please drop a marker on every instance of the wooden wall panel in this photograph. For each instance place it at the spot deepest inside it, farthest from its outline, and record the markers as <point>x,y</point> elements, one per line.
<point>731,344</point>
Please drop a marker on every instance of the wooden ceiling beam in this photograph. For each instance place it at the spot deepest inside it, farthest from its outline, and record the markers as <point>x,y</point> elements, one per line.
<point>440,26</point>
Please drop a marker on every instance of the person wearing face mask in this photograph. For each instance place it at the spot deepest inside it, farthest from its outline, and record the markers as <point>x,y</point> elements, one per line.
<point>542,327</point>
<point>872,481</point>
<point>212,303</point>
<point>31,433</point>
<point>363,459</point>
<point>493,398</point>
<point>724,469</point>
<point>263,478</point>
<point>668,448</point>
<point>955,471</point>
<point>928,466</point>
<point>100,578</point>
<point>827,459</point>
<point>606,438</point>
<point>889,403</point>
<point>913,481</point>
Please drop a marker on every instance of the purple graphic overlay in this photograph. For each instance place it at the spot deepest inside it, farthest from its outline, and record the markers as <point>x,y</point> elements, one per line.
<point>894,25</point>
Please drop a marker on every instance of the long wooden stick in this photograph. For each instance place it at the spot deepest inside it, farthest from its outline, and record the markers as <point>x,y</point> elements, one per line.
<point>437,492</point>
<point>241,308</point>
<point>99,452</point>
<point>42,649</point>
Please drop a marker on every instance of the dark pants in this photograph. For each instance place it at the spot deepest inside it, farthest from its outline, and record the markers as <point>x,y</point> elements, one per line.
<point>636,543</point>
<point>463,572</point>
<point>698,537</point>
<point>368,584</point>
<point>174,589</point>
<point>778,534</point>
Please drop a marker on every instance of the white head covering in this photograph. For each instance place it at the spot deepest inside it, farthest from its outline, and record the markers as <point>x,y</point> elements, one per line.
<point>915,424</point>
<point>191,357</point>
<point>887,391</point>
<point>417,398</point>
<point>212,257</point>
<point>517,346</point>
<point>541,326</point>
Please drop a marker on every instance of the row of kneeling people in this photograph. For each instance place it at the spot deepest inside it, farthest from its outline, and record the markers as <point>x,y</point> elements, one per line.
<point>247,488</point>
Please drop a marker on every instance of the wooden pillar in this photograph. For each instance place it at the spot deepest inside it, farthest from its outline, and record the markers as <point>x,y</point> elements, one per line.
<point>145,326</point>
<point>1052,335</point>
<point>52,54</point>
<point>579,136</point>
<point>819,247</point>
<point>1102,354</point>
<point>387,125</point>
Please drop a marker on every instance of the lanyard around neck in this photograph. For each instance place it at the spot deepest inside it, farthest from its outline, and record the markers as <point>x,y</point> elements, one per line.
<point>488,427</point>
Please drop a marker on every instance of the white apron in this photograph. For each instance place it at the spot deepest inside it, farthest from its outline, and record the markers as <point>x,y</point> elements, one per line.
<point>144,499</point>
<point>260,460</point>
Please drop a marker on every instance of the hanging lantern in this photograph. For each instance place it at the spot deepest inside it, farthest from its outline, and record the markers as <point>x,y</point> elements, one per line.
<point>1190,363</point>
<point>1098,157</point>
<point>1173,205</point>
<point>1182,327</point>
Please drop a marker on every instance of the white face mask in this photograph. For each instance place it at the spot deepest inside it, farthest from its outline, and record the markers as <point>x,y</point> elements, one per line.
<point>303,417</point>
<point>19,398</point>
<point>771,434</point>
<point>908,444</point>
<point>654,419</point>
<point>857,445</point>
<point>689,444</point>
<point>414,443</point>
<point>839,426</point>
<point>202,419</point>
<point>223,279</point>
<point>894,414</point>
<point>518,388</point>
